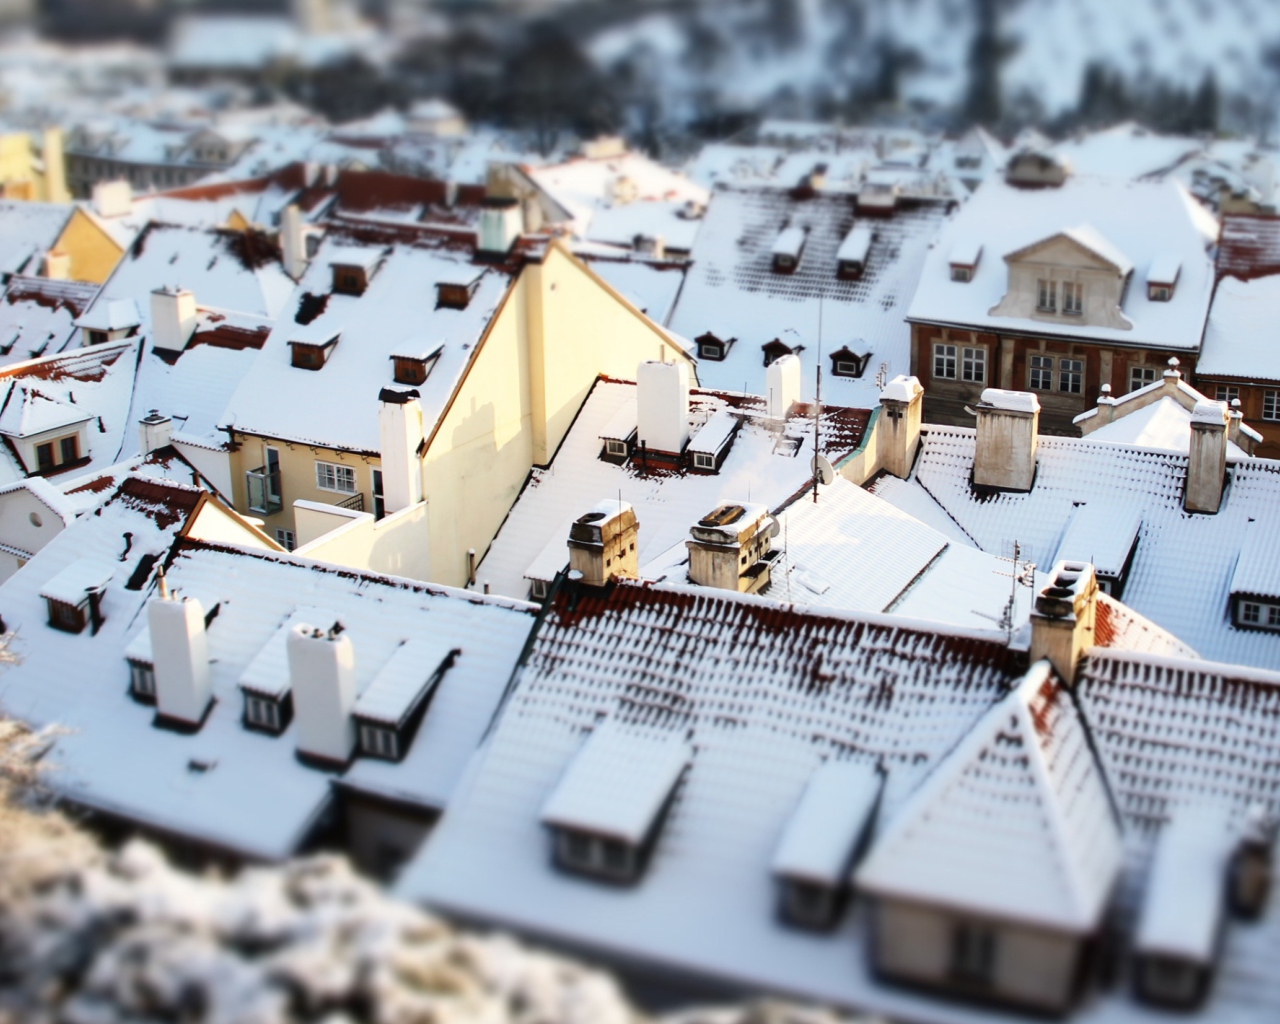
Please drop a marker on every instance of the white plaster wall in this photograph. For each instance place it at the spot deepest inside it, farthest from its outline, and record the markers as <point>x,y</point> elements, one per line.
<point>19,531</point>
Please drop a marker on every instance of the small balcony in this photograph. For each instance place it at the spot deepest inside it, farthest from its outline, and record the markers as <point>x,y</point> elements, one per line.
<point>355,503</point>
<point>263,486</point>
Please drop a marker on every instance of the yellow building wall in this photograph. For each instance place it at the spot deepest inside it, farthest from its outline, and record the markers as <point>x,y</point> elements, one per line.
<point>94,253</point>
<point>20,175</point>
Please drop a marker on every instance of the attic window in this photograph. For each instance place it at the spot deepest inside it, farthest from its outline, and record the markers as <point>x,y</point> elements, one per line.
<point>414,370</point>
<point>454,294</point>
<point>388,712</point>
<point>142,681</point>
<point>1162,278</point>
<point>616,449</point>
<point>775,350</point>
<point>349,279</point>
<point>309,355</point>
<point>964,260</point>
<point>787,250</point>
<point>711,347</point>
<point>847,363</point>
<point>74,596</point>
<point>267,714</point>
<point>851,258</point>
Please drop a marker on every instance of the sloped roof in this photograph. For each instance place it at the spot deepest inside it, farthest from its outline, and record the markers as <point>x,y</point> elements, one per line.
<point>1240,337</point>
<point>37,314</point>
<point>836,810</point>
<point>26,411</point>
<point>27,231</point>
<point>1014,823</point>
<point>1257,571</point>
<point>1249,246</point>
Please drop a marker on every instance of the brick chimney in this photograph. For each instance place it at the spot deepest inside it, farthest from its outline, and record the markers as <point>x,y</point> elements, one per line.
<point>602,543</point>
<point>1008,433</point>
<point>728,548</point>
<point>400,439</point>
<point>1063,618</point>
<point>173,318</point>
<point>662,406</point>
<point>322,676</point>
<point>1207,459</point>
<point>898,431</point>
<point>782,381</point>
<point>180,654</point>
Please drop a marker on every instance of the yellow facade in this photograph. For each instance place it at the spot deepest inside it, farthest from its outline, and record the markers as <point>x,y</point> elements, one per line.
<point>558,328</point>
<point>93,253</point>
<point>31,173</point>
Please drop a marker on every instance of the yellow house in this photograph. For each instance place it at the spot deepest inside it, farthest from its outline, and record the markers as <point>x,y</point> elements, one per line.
<point>56,240</point>
<point>498,356</point>
<point>31,171</point>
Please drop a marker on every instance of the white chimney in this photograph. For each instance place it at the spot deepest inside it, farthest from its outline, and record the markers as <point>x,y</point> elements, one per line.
<point>501,222</point>
<point>112,198</point>
<point>400,439</point>
<point>1207,459</point>
<point>662,406</point>
<point>180,655</point>
<point>1008,433</point>
<point>898,431</point>
<point>782,381</point>
<point>322,676</point>
<point>293,241</point>
<point>154,431</point>
<point>173,318</point>
<point>57,265</point>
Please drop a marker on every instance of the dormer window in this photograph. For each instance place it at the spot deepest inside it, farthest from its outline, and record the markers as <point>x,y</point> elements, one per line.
<point>964,261</point>
<point>710,445</point>
<point>775,350</point>
<point>851,257</point>
<point>1047,295</point>
<point>267,714</point>
<point>142,681</point>
<point>847,363</point>
<point>1072,298</point>
<point>74,596</point>
<point>455,294</point>
<point>312,355</point>
<point>616,449</point>
<point>1162,278</point>
<point>787,250</point>
<point>413,369</point>
<point>349,279</point>
<point>388,712</point>
<point>712,348</point>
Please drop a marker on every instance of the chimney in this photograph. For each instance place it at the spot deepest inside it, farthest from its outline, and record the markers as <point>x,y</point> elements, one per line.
<point>1008,432</point>
<point>501,222</point>
<point>112,198</point>
<point>898,432</point>
<point>1207,460</point>
<point>1253,865</point>
<point>180,654</point>
<point>1062,621</point>
<point>293,241</point>
<point>730,548</point>
<point>602,543</point>
<point>154,431</point>
<point>782,380</point>
<point>173,318</point>
<point>662,406</point>
<point>322,676</point>
<point>401,441</point>
<point>57,265</point>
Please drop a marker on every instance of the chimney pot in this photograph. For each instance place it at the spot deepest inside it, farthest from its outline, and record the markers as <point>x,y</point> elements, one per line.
<point>662,406</point>
<point>603,543</point>
<point>322,676</point>
<point>400,437</point>
<point>1064,617</point>
<point>1207,456</point>
<point>1008,434</point>
<point>180,655</point>
<point>898,430</point>
<point>782,378</point>
<point>154,431</point>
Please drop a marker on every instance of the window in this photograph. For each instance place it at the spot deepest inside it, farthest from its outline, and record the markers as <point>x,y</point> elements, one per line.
<point>596,855</point>
<point>142,679</point>
<point>616,448</point>
<point>379,501</point>
<point>379,742</point>
<point>262,712</point>
<point>451,295</point>
<point>539,590</point>
<point>973,953</point>
<point>959,273</point>
<point>67,617</point>
<point>1071,375</point>
<point>710,350</point>
<point>973,367</point>
<point>287,539</point>
<point>1271,405</point>
<point>1072,298</point>
<point>309,357</point>
<point>701,460</point>
<point>844,369</point>
<point>1040,374</point>
<point>97,337</point>
<point>1159,292</point>
<point>410,371</point>
<point>44,457</point>
<point>1273,616</point>
<point>808,903</point>
<point>944,361</point>
<point>1047,296</point>
<point>69,448</point>
<point>1228,393</point>
<point>1250,612</point>
<point>1141,376</point>
<point>332,477</point>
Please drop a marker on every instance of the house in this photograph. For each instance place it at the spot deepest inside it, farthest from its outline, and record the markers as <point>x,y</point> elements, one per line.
<point>470,366</point>
<point>56,240</point>
<point>264,700</point>
<point>822,273</point>
<point>1061,289</point>
<point>752,796</point>
<point>32,168</point>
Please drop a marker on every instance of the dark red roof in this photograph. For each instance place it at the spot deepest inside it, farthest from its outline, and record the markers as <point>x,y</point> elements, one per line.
<point>1249,246</point>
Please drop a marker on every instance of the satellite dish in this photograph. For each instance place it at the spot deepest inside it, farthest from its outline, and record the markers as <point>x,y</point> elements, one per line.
<point>822,469</point>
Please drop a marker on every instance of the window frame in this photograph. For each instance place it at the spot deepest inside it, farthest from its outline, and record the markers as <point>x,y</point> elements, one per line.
<point>961,273</point>
<point>261,712</point>
<point>615,448</point>
<point>142,680</point>
<point>1232,392</point>
<point>73,440</point>
<point>1271,400</point>
<point>338,469</point>
<point>1038,363</point>
<point>974,953</point>
<point>973,364</point>
<point>287,539</point>
<point>45,464</point>
<point>1072,298</point>
<point>1070,372</point>
<point>380,741</point>
<point>941,358</point>
<point>702,460</point>
<point>1046,295</point>
<point>1140,372</point>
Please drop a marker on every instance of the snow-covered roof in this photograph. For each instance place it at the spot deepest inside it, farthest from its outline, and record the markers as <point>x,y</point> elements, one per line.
<point>1182,564</point>
<point>1101,535</point>
<point>1048,849</point>
<point>268,672</point>
<point>715,433</point>
<point>1182,908</point>
<point>618,781</point>
<point>37,316</point>
<point>336,406</point>
<point>789,242</point>
<point>651,287</point>
<point>28,231</point>
<point>732,291</point>
<point>965,253</point>
<point>1239,339</point>
<point>1257,571</point>
<point>1127,151</point>
<point>1164,424</point>
<point>667,220</point>
<point>666,505</point>
<point>25,411</point>
<point>74,583</point>
<point>1164,269</point>
<point>1010,401</point>
<point>111,315</point>
<point>402,684</point>
<point>856,244</point>
<point>1128,223</point>
<point>836,810</point>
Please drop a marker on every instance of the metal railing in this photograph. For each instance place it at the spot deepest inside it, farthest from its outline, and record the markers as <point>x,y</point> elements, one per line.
<point>355,503</point>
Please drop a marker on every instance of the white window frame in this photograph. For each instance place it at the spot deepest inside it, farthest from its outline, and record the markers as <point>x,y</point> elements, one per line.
<point>1141,376</point>
<point>1046,295</point>
<point>379,741</point>
<point>287,539</point>
<point>1040,368</point>
<point>142,678</point>
<point>1227,393</point>
<point>1071,376</point>
<point>538,589</point>
<point>262,712</point>
<point>973,365</point>
<point>844,368</point>
<point>944,356</point>
<point>1072,298</point>
<point>711,350</point>
<point>615,448</point>
<point>701,460</point>
<point>330,476</point>
<point>1271,405</point>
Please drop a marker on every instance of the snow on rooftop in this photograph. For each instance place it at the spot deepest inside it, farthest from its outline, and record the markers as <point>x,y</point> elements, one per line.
<point>901,389</point>
<point>966,253</point>
<point>618,781</point>
<point>1132,223</point>
<point>651,287</point>
<point>835,812</point>
<point>1011,401</point>
<point>366,257</point>
<point>1163,425</point>
<point>27,231</point>
<point>111,315</point>
<point>37,316</point>
<point>1182,908</point>
<point>25,411</point>
<point>1164,270</point>
<point>715,433</point>
<point>1257,571</point>
<point>1240,338</point>
<point>789,242</point>
<point>402,683</point>
<point>1098,244</point>
<point>1049,849</point>
<point>1101,535</point>
<point>268,672</point>
<point>74,583</point>
<point>856,244</point>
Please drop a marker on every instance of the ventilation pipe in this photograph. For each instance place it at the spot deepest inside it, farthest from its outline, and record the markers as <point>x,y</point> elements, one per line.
<point>898,432</point>
<point>1207,458</point>
<point>1008,433</point>
<point>322,676</point>
<point>180,654</point>
<point>173,318</point>
<point>782,378</point>
<point>662,406</point>
<point>401,440</point>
